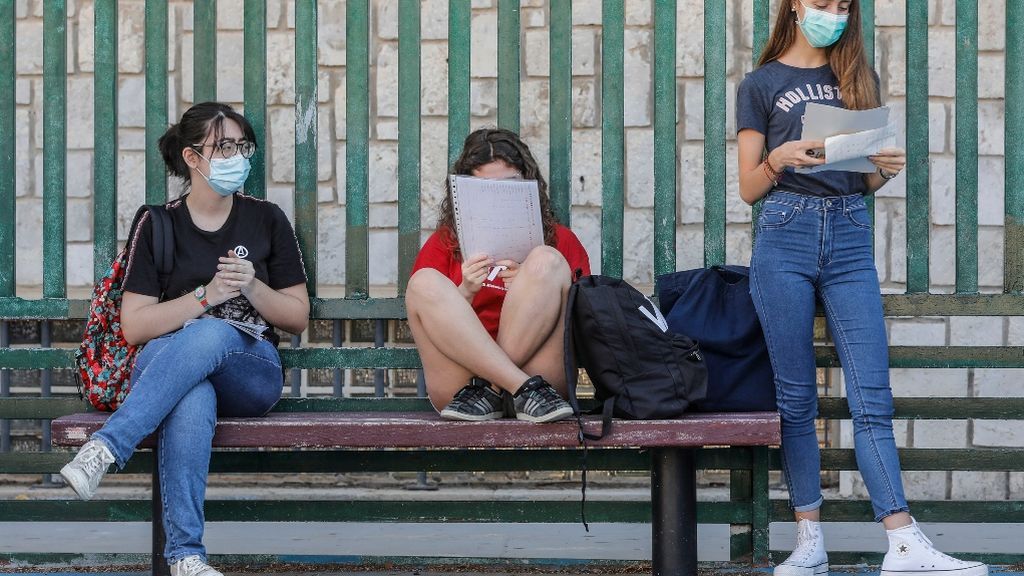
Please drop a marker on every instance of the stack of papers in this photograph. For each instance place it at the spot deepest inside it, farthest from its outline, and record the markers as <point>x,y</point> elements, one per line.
<point>850,136</point>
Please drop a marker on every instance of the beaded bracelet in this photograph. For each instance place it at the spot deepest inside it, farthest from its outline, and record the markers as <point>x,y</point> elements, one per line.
<point>770,173</point>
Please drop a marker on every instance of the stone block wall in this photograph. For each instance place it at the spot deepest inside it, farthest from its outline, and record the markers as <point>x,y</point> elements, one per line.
<point>891,213</point>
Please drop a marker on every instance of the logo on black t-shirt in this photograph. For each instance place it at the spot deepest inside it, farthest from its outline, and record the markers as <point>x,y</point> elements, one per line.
<point>241,251</point>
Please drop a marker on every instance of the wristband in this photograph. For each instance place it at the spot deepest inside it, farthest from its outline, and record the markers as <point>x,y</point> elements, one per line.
<point>887,175</point>
<point>200,295</point>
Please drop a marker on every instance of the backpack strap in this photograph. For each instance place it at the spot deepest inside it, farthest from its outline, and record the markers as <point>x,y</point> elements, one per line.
<point>163,242</point>
<point>572,375</point>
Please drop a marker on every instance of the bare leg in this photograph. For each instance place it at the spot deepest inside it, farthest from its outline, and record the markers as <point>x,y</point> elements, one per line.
<point>452,342</point>
<point>532,319</point>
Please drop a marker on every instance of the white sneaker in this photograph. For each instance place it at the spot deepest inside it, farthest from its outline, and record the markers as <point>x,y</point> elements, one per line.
<point>911,553</point>
<point>809,557</point>
<point>192,566</point>
<point>84,473</point>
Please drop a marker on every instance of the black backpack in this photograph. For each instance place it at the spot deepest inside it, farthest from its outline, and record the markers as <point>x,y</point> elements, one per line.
<point>640,370</point>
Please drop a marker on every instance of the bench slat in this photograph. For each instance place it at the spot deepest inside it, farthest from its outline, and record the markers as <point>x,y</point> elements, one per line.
<point>425,430</point>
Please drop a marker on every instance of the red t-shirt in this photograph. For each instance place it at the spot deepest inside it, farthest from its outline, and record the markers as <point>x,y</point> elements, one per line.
<point>438,253</point>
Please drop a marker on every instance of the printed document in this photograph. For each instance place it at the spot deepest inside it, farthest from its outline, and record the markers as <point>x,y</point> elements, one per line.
<point>850,136</point>
<point>500,218</point>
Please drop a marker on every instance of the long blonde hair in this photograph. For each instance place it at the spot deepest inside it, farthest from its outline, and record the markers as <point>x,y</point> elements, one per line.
<point>846,57</point>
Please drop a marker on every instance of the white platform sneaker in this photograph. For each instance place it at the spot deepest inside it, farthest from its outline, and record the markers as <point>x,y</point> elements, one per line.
<point>809,557</point>
<point>911,553</point>
<point>193,566</point>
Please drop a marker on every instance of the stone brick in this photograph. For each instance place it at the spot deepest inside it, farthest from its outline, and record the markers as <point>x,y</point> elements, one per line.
<point>387,19</point>
<point>230,15</point>
<point>691,184</point>
<point>947,9</point>
<point>80,116</point>
<point>383,257</point>
<point>941,62</point>
<point>690,247</point>
<point>637,77</point>
<point>483,97</point>
<point>383,215</point>
<point>586,12</point>
<point>28,241</point>
<point>898,242</point>
<point>736,210</point>
<point>330,246</point>
<point>29,47</point>
<point>737,245</point>
<point>943,190</point>
<point>79,174</point>
<point>280,68</point>
<point>23,153</point>
<point>584,104</point>
<point>584,51</point>
<point>230,55</point>
<point>919,383</point>
<point>975,331</point>
<point>638,12</point>
<point>586,168</point>
<point>991,187</point>
<point>22,91</point>
<point>131,38</point>
<point>638,247</point>
<point>992,26</point>
<point>537,48</point>
<point>324,146</point>
<point>690,38</point>
<point>131,102</point>
<point>434,168</point>
<point>1016,486</point>
<point>484,4</point>
<point>998,382</point>
<point>325,193</point>
<point>387,130</point>
<point>21,9</point>
<point>131,191</point>
<point>79,264</point>
<point>282,137</point>
<point>387,80</point>
<point>979,485</point>
<point>484,50</point>
<point>991,74</point>
<point>434,83</point>
<point>991,124</point>
<point>881,233</point>
<point>925,485</point>
<point>289,14</point>
<point>341,170</point>
<point>434,19</point>
<point>331,39</point>
<point>940,434</point>
<point>942,258</point>
<point>534,18</point>
<point>990,259</point>
<point>535,110</point>
<point>131,139</point>
<point>917,332</point>
<point>274,12</point>
<point>586,224</point>
<point>323,86</point>
<point>86,38</point>
<point>937,122</point>
<point>693,102</point>
<point>639,168</point>
<point>79,220</point>
<point>891,13</point>
<point>1015,334</point>
<point>383,172</point>
<point>283,196</point>
<point>340,101</point>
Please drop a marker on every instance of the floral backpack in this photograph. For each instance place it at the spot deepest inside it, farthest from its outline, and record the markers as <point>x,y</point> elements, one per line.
<point>105,359</point>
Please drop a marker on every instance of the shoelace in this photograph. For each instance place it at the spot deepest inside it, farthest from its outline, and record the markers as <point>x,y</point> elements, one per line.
<point>191,565</point>
<point>92,460</point>
<point>547,394</point>
<point>470,393</point>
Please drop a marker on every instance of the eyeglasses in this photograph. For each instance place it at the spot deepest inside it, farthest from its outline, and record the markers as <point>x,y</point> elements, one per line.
<point>228,148</point>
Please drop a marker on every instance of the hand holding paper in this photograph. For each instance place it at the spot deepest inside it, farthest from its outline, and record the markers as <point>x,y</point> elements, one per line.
<point>851,136</point>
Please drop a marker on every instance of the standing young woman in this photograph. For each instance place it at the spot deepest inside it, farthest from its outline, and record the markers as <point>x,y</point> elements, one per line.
<point>485,338</point>
<point>235,257</point>
<point>814,243</point>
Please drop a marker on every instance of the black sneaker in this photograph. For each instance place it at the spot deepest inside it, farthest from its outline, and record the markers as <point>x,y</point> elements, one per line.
<point>475,402</point>
<point>537,401</point>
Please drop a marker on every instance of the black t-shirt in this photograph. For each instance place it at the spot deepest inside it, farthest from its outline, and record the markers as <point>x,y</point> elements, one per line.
<point>256,228</point>
<point>772,99</point>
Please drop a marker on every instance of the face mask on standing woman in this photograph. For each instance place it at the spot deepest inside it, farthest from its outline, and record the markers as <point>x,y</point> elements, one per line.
<point>821,28</point>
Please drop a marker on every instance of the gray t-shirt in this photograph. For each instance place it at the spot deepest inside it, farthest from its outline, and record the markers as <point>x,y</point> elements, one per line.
<point>772,99</point>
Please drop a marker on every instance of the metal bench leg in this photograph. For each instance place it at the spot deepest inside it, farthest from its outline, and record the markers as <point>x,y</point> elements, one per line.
<point>159,563</point>
<point>674,511</point>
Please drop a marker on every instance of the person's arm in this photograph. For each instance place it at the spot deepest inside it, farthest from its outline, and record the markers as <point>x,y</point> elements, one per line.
<point>145,317</point>
<point>889,161</point>
<point>757,176</point>
<point>286,308</point>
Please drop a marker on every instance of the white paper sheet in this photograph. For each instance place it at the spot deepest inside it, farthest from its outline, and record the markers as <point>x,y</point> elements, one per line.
<point>853,135</point>
<point>500,218</point>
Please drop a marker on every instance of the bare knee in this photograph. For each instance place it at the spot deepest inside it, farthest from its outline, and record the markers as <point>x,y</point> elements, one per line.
<point>546,262</point>
<point>426,285</point>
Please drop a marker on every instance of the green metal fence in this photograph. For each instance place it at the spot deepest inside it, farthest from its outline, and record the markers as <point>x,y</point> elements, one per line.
<point>749,505</point>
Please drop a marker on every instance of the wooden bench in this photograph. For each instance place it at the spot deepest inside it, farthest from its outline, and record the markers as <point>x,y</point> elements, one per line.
<point>672,445</point>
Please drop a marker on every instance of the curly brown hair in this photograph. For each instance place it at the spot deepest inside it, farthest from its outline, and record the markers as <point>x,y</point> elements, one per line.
<point>484,146</point>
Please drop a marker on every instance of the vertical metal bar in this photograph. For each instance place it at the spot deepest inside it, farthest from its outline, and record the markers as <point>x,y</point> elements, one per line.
<point>664,137</point>
<point>612,136</point>
<point>760,504</point>
<point>459,38</point>
<point>380,330</point>
<point>714,132</point>
<point>917,147</point>
<point>5,386</point>
<point>867,18</point>
<point>337,339</point>
<point>560,150</point>
<point>204,51</point>
<point>409,135</point>
<point>674,511</point>
<point>1013,253</point>
<point>740,492</point>
<point>8,178</point>
<point>255,91</point>
<point>966,146</point>
<point>158,562</point>
<point>105,154</point>
<point>357,152</point>
<point>295,374</point>
<point>761,19</point>
<point>306,135</point>
<point>45,391</point>
<point>156,99</point>
<point>54,148</point>
<point>508,64</point>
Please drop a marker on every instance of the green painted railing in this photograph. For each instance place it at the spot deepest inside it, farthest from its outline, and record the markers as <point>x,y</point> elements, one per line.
<point>749,503</point>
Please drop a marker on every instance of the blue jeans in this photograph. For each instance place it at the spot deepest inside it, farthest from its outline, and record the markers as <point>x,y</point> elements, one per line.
<point>810,249</point>
<point>180,384</point>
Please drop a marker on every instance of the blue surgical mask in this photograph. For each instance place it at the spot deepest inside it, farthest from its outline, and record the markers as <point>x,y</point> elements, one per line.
<point>227,175</point>
<point>821,28</point>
